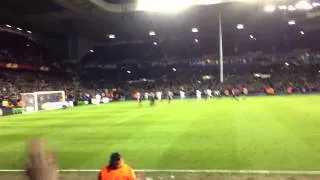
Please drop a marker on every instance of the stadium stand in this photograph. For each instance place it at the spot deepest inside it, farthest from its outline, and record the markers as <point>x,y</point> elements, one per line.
<point>128,66</point>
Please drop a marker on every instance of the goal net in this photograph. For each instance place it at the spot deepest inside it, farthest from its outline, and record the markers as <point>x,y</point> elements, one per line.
<point>43,100</point>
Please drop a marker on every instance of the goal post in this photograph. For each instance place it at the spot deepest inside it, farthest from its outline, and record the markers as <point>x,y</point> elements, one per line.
<point>43,100</point>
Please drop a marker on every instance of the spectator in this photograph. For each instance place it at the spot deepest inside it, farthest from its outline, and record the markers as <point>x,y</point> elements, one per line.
<point>41,164</point>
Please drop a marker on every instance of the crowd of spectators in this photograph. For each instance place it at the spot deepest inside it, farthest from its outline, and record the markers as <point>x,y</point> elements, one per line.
<point>256,71</point>
<point>302,78</point>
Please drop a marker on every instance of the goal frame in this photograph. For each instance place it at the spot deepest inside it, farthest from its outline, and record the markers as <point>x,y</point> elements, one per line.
<point>35,97</point>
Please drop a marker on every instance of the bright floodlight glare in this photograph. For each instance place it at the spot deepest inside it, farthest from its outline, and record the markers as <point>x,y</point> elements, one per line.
<point>269,8</point>
<point>165,6</point>
<point>112,36</point>
<point>174,69</point>
<point>287,64</point>
<point>319,71</point>
<point>291,8</point>
<point>30,32</point>
<point>91,50</point>
<point>196,40</point>
<point>251,36</point>
<point>155,43</point>
<point>209,2</point>
<point>283,7</point>
<point>19,29</point>
<point>129,72</point>
<point>292,22</point>
<point>315,4</point>
<point>303,5</point>
<point>240,26</point>
<point>302,32</point>
<point>8,26</point>
<point>194,30</point>
<point>152,33</point>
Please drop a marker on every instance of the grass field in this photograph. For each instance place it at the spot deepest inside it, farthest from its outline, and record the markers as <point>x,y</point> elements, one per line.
<point>268,133</point>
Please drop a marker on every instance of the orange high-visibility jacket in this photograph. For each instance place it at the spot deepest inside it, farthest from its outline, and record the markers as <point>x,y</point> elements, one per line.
<point>125,172</point>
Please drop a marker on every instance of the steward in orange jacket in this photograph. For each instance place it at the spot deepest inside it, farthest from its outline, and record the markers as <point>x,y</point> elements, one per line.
<point>116,170</point>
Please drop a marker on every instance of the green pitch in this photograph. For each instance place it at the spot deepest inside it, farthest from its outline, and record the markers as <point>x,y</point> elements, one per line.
<point>257,133</point>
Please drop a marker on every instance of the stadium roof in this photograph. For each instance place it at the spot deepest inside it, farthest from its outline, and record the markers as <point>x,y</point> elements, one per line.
<point>88,18</point>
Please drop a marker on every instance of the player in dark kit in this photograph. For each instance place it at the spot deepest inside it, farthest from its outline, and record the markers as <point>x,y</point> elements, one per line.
<point>235,93</point>
<point>152,99</point>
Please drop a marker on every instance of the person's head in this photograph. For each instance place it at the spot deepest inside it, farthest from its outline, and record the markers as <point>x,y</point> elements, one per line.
<point>115,161</point>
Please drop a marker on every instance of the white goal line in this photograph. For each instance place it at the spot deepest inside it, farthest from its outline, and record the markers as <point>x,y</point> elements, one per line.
<point>192,171</point>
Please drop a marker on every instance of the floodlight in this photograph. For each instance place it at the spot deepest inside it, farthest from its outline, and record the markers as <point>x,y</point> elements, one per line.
<point>155,43</point>
<point>319,71</point>
<point>8,26</point>
<point>252,37</point>
<point>315,4</point>
<point>291,8</point>
<point>257,75</point>
<point>269,8</point>
<point>194,30</point>
<point>165,6</point>
<point>283,7</point>
<point>112,36</point>
<point>91,50</point>
<point>129,72</point>
<point>152,33</point>
<point>286,63</point>
<point>302,32</point>
<point>292,22</point>
<point>303,5</point>
<point>240,26</point>
<point>30,32</point>
<point>196,40</point>
<point>19,29</point>
<point>174,69</point>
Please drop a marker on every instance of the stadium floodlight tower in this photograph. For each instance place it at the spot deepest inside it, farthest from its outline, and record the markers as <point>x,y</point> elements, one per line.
<point>43,100</point>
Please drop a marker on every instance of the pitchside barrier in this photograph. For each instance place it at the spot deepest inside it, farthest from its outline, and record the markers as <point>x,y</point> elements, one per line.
<point>218,171</point>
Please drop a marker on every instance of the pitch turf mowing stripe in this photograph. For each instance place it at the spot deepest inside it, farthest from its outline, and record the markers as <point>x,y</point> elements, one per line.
<point>275,133</point>
<point>261,144</point>
<point>104,137</point>
<point>133,143</point>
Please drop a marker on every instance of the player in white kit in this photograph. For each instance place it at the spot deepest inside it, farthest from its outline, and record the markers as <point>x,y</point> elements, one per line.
<point>182,94</point>
<point>98,97</point>
<point>209,93</point>
<point>198,94</point>
<point>217,93</point>
<point>159,95</point>
<point>146,95</point>
<point>170,96</point>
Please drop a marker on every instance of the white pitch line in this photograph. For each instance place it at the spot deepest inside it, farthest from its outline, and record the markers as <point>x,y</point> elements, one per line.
<point>193,171</point>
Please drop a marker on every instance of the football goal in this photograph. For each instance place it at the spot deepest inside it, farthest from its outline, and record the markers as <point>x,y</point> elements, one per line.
<point>43,100</point>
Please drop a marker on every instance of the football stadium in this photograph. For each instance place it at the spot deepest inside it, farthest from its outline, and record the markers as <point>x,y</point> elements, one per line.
<point>160,90</point>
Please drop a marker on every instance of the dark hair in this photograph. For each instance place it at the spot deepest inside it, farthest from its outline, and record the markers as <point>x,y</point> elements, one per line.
<point>114,161</point>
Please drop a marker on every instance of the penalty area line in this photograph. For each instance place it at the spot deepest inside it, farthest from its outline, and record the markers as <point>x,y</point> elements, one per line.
<point>284,172</point>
